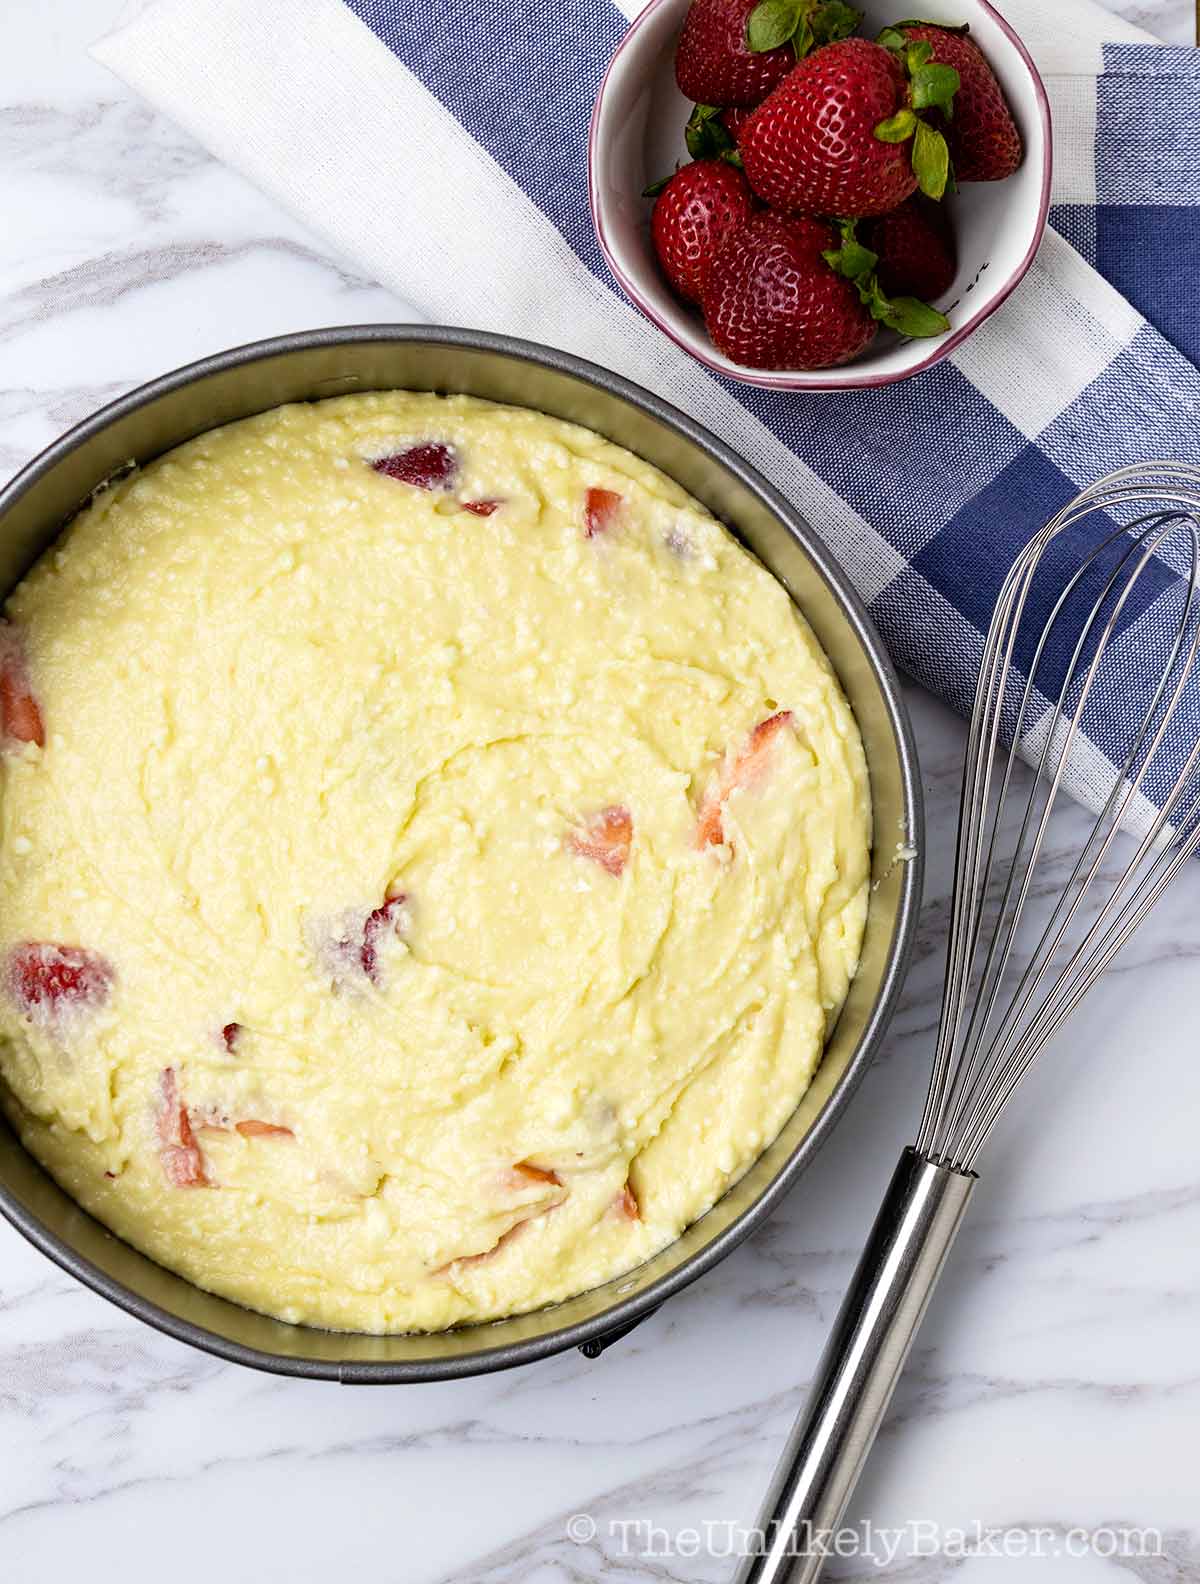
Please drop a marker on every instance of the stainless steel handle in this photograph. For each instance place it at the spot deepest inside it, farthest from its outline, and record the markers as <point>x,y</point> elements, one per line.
<point>858,1370</point>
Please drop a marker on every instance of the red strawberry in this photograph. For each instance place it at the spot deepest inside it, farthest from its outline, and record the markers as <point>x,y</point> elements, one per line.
<point>465,1261</point>
<point>216,1120</point>
<point>230,1035</point>
<point>743,769</point>
<point>626,1205</point>
<point>482,508</point>
<point>383,921</point>
<point>528,1216</point>
<point>841,134</point>
<point>714,62</point>
<point>811,148</point>
<point>431,465</point>
<point>46,979</point>
<point>983,138</point>
<point>606,840</point>
<point>733,52</point>
<point>600,511</point>
<point>526,1175</point>
<point>916,250</point>
<point>695,214</point>
<point>20,716</point>
<point>347,946</point>
<point>772,301</point>
<point>253,1129</point>
<point>734,119</point>
<point>182,1161</point>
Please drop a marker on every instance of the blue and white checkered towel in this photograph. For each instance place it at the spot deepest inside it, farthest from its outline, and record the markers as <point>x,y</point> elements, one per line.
<point>444,148</point>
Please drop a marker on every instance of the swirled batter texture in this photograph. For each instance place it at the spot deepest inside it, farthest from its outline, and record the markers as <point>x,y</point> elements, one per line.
<point>431,854</point>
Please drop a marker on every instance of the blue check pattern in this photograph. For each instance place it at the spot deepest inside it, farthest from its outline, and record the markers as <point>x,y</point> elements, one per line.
<point>932,464</point>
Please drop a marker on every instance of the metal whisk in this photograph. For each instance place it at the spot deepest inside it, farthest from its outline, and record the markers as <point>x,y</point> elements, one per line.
<point>1055,678</point>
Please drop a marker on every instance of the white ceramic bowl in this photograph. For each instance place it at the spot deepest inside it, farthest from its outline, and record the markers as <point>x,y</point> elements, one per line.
<point>637,137</point>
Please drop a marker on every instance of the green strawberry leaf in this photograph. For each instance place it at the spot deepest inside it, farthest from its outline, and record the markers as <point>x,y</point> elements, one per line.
<point>909,315</point>
<point>853,260</point>
<point>656,187</point>
<point>916,54</point>
<point>803,23</point>
<point>897,127</point>
<point>934,86</point>
<point>944,27</point>
<point>706,135</point>
<point>774,22</point>
<point>930,160</point>
<point>833,21</point>
<point>857,263</point>
<point>733,156</point>
<point>892,39</point>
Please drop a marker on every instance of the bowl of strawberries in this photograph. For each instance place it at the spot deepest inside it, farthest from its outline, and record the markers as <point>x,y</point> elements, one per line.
<point>809,195</point>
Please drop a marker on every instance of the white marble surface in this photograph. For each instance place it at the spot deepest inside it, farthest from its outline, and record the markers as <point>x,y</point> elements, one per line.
<point>1057,1382</point>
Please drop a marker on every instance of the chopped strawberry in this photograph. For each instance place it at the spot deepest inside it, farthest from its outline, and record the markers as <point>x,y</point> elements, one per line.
<point>525,1174</point>
<point>626,1205</point>
<point>432,465</point>
<point>606,839</point>
<point>253,1129</point>
<point>182,1161</point>
<point>600,510</point>
<point>482,508</point>
<point>45,978</point>
<point>348,946</point>
<point>465,1261</point>
<point>208,1120</point>
<point>742,771</point>
<point>527,1218</point>
<point>231,1034</point>
<point>20,715</point>
<point>385,920</point>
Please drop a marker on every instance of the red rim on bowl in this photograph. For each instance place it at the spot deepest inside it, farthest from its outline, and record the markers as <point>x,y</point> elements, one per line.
<point>844,378</point>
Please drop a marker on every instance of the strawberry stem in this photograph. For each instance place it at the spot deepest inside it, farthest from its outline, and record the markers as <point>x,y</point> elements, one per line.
<point>804,24</point>
<point>707,136</point>
<point>930,160</point>
<point>931,86</point>
<point>909,316</point>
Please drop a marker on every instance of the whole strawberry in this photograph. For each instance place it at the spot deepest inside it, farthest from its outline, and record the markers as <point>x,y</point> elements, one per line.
<point>734,119</point>
<point>733,52</point>
<point>842,133</point>
<point>714,63</point>
<point>915,246</point>
<point>694,215</point>
<point>772,301</point>
<point>982,135</point>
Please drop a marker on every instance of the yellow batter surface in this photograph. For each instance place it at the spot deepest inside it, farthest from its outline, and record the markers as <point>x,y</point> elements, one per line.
<point>431,855</point>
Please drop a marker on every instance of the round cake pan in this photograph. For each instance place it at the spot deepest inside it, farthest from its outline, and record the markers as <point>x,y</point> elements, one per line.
<point>306,367</point>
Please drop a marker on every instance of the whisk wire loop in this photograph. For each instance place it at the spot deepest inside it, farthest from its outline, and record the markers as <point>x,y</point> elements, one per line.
<point>1044,662</point>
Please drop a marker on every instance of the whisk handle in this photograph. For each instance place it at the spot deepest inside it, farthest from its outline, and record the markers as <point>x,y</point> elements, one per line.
<point>858,1370</point>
